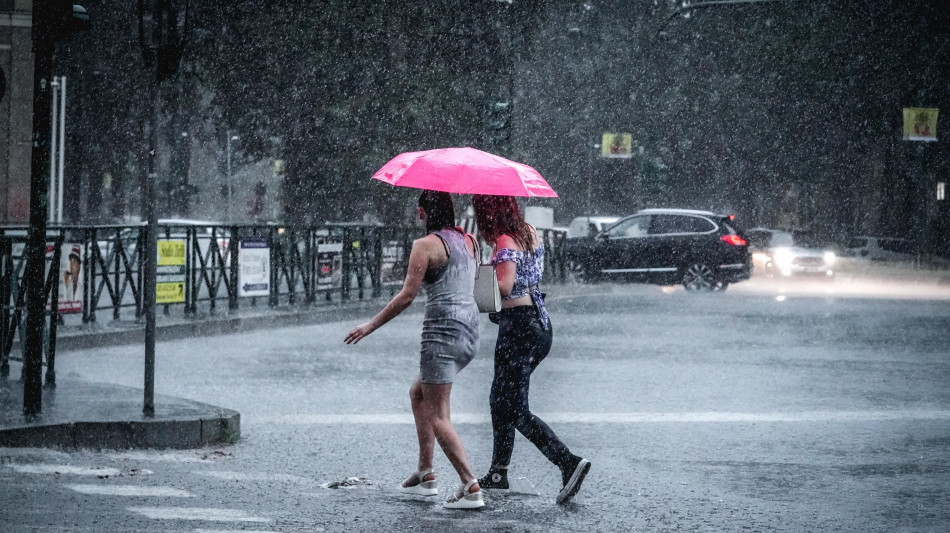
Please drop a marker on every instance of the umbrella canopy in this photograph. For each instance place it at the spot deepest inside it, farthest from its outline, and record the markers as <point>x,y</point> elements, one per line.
<point>464,171</point>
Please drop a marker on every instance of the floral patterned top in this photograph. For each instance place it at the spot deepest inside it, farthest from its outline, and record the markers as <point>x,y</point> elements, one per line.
<point>529,267</point>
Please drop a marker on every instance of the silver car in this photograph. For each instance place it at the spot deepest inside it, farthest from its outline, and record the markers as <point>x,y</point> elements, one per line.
<point>784,253</point>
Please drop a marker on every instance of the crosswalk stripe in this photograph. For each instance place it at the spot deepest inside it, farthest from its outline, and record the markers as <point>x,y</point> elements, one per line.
<point>64,469</point>
<point>251,476</point>
<point>199,530</point>
<point>623,418</point>
<point>129,490</point>
<point>210,514</point>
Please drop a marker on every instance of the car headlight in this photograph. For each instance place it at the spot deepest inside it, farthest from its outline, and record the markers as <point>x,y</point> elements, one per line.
<point>830,258</point>
<point>783,257</point>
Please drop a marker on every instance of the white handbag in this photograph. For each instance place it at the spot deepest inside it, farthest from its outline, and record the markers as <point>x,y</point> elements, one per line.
<point>487,295</point>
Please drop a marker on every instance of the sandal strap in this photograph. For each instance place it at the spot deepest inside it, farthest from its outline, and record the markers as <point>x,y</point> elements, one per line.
<point>465,489</point>
<point>421,475</point>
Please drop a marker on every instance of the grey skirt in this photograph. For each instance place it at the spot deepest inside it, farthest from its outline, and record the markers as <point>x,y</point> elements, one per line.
<point>447,348</point>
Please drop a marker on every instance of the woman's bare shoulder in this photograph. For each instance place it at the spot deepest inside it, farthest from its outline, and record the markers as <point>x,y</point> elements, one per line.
<point>428,242</point>
<point>507,241</point>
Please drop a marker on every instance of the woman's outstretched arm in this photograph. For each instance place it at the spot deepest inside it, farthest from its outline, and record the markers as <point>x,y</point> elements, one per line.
<point>418,264</point>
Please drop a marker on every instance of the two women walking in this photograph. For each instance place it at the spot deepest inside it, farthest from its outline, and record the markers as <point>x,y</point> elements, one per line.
<point>443,264</point>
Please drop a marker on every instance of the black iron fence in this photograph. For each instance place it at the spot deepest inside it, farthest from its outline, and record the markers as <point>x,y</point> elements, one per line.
<point>98,269</point>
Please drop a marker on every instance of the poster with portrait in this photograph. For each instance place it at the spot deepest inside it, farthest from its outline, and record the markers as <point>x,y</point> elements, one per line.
<point>70,276</point>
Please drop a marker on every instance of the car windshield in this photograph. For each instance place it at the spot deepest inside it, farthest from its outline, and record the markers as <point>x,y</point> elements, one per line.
<point>807,240</point>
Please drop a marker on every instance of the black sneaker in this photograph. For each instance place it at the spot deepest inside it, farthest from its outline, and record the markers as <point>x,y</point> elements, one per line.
<point>572,479</point>
<point>494,480</point>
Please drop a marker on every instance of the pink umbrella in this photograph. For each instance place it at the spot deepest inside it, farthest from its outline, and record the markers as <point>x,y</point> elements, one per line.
<point>464,171</point>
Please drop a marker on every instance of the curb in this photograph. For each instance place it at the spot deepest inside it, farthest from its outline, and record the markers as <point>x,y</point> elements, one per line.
<point>90,415</point>
<point>116,435</point>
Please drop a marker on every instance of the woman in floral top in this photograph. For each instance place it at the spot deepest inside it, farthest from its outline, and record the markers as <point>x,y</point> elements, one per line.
<point>525,334</point>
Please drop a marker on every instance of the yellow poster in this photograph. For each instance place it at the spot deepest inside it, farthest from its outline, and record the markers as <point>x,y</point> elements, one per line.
<point>171,253</point>
<point>616,145</point>
<point>169,293</point>
<point>170,272</point>
<point>920,124</point>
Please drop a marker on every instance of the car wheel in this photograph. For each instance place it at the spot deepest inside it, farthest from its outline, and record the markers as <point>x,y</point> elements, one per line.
<point>698,277</point>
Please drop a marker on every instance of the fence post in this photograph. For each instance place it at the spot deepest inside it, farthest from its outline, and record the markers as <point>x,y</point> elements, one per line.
<point>6,266</point>
<point>233,241</point>
<point>141,252</point>
<point>309,280</point>
<point>377,264</point>
<point>53,291</point>
<point>275,239</point>
<point>345,266</point>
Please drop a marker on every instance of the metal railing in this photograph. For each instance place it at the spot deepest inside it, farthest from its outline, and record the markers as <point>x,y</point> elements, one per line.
<point>307,265</point>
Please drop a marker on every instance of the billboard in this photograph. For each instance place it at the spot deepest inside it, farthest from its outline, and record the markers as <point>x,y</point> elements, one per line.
<point>920,124</point>
<point>616,145</point>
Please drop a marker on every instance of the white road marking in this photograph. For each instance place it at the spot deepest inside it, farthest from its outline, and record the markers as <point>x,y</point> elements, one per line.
<point>129,490</point>
<point>252,476</point>
<point>243,530</point>
<point>626,418</point>
<point>64,469</point>
<point>197,513</point>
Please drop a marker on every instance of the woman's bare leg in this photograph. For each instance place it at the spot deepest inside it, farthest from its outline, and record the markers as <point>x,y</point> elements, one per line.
<point>423,428</point>
<point>437,405</point>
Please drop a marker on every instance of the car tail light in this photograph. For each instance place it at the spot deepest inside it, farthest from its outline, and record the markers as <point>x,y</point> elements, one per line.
<point>733,240</point>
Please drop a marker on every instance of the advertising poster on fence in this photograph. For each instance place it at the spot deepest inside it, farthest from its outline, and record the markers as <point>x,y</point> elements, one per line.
<point>254,271</point>
<point>70,276</point>
<point>392,269</point>
<point>170,273</point>
<point>329,265</point>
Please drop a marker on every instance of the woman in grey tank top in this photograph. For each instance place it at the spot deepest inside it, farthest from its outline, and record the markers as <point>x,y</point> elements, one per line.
<point>443,264</point>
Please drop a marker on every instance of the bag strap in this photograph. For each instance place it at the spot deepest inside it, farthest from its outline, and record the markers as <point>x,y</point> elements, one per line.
<point>478,255</point>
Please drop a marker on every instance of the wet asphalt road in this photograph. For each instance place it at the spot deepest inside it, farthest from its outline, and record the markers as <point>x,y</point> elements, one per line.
<point>765,408</point>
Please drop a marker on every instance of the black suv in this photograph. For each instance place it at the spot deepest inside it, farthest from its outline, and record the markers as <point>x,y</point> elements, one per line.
<point>702,250</point>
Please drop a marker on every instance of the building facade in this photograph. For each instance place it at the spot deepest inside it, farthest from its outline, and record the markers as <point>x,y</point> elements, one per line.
<point>16,110</point>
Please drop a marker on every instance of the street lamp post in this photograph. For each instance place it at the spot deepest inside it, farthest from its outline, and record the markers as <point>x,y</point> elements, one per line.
<point>162,25</point>
<point>228,149</point>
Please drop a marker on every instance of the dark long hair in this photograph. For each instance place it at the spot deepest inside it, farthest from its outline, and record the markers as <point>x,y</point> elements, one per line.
<point>500,215</point>
<point>440,213</point>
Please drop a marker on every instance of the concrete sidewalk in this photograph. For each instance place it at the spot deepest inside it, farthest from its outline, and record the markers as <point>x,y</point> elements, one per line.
<point>83,414</point>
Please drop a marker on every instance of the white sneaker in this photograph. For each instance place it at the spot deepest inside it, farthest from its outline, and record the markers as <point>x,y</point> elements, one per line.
<point>464,499</point>
<point>416,484</point>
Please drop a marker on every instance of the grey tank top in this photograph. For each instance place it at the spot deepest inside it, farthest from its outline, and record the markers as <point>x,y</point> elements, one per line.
<point>451,316</point>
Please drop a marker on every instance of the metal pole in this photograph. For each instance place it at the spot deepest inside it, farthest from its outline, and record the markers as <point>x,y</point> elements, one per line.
<point>53,148</point>
<point>229,175</point>
<point>590,177</point>
<point>43,47</point>
<point>62,149</point>
<point>151,253</point>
